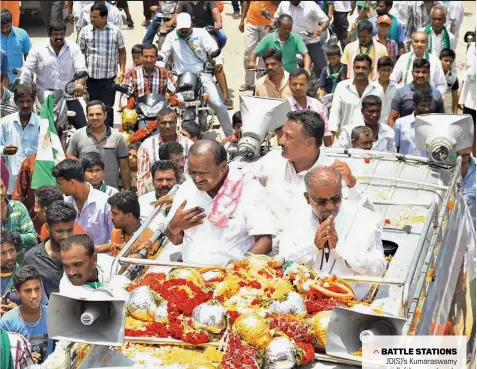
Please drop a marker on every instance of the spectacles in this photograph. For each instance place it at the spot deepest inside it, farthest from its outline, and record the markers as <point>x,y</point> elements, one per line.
<point>323,202</point>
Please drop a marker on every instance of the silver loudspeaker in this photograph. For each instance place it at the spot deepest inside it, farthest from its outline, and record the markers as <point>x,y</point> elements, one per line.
<point>96,318</point>
<point>260,115</point>
<point>347,327</point>
<point>444,134</point>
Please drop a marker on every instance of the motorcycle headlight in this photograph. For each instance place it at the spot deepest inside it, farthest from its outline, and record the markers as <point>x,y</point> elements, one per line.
<point>168,8</point>
<point>150,111</point>
<point>188,95</point>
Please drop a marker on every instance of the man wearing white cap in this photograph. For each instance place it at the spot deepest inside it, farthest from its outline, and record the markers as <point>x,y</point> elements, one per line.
<point>190,49</point>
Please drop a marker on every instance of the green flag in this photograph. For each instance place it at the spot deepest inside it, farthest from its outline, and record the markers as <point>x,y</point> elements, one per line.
<point>50,152</point>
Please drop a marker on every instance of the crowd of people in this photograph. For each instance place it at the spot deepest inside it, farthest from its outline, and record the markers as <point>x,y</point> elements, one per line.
<point>355,73</point>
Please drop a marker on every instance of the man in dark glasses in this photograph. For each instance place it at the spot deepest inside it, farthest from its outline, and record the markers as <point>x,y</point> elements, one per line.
<point>335,236</point>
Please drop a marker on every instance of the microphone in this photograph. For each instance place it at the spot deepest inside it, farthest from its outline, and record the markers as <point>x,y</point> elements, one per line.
<point>326,249</point>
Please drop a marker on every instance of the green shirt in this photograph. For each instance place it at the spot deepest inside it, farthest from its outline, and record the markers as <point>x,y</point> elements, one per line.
<point>292,46</point>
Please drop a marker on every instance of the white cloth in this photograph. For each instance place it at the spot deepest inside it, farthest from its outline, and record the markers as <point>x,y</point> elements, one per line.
<point>455,13</point>
<point>285,188</point>
<point>104,265</point>
<point>359,249</point>
<point>146,204</point>
<point>307,17</point>
<point>212,245</point>
<point>346,106</point>
<point>438,79</point>
<point>467,94</point>
<point>385,141</point>
<point>53,71</point>
<point>152,144</point>
<point>388,99</point>
<point>184,58</point>
<point>342,6</point>
<point>400,10</point>
<point>437,45</point>
<point>84,17</point>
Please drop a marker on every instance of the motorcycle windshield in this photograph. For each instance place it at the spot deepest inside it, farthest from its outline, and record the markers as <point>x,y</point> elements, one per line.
<point>151,100</point>
<point>168,7</point>
<point>43,94</point>
<point>187,81</point>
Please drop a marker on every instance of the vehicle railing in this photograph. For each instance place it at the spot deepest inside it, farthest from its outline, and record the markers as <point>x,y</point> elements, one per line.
<point>422,287</point>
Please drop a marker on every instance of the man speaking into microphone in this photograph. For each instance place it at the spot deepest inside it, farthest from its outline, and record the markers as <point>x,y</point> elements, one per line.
<point>337,236</point>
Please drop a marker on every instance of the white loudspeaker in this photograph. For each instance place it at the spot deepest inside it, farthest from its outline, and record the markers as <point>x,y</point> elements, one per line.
<point>95,318</point>
<point>348,326</point>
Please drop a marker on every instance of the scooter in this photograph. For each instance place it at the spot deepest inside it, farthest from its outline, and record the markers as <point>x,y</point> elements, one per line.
<point>60,110</point>
<point>164,12</point>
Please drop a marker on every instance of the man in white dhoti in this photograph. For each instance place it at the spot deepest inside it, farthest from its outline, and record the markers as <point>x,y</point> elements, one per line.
<point>349,233</point>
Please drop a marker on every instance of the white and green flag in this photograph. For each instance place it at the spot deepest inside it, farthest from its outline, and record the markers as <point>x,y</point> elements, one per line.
<point>50,152</point>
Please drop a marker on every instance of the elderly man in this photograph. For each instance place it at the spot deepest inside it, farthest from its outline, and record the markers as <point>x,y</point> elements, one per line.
<point>220,214</point>
<point>361,138</point>
<point>148,153</point>
<point>348,233</point>
<point>283,175</point>
<point>190,49</point>
<point>439,37</point>
<point>402,73</point>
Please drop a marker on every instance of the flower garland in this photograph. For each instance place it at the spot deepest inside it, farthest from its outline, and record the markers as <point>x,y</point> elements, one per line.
<point>140,134</point>
<point>295,328</point>
<point>315,302</point>
<point>239,355</point>
<point>305,353</point>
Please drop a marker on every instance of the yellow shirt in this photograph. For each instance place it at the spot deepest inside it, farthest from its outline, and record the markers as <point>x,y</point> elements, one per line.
<point>265,88</point>
<point>351,50</point>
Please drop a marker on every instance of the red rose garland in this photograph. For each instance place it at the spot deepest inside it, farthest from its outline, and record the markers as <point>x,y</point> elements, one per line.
<point>305,353</point>
<point>239,355</point>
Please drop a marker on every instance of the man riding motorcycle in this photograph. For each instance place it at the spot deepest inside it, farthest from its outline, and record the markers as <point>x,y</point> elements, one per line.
<point>190,49</point>
<point>207,14</point>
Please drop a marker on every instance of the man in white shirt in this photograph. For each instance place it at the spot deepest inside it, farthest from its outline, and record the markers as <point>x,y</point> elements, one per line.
<point>311,23</point>
<point>165,175</point>
<point>402,73</point>
<point>383,135</point>
<point>222,213</point>
<point>148,153</point>
<point>55,64</point>
<point>283,175</point>
<point>349,94</point>
<point>335,236</point>
<point>190,49</point>
<point>455,16</point>
<point>83,13</point>
<point>439,37</point>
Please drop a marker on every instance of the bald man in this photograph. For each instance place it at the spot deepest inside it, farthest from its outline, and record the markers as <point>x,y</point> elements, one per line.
<point>349,232</point>
<point>220,214</point>
<point>402,72</point>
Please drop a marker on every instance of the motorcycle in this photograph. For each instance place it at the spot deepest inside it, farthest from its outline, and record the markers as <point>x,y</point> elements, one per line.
<point>60,109</point>
<point>164,13</point>
<point>146,107</point>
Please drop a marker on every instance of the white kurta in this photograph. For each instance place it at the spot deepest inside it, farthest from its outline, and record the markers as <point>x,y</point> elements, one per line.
<point>359,249</point>
<point>146,203</point>
<point>385,141</point>
<point>212,245</point>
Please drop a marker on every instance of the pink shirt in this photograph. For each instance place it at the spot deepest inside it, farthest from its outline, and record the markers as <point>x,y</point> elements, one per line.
<point>311,104</point>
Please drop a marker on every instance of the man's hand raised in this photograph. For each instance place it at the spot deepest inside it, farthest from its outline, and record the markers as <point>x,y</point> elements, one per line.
<point>185,219</point>
<point>326,232</point>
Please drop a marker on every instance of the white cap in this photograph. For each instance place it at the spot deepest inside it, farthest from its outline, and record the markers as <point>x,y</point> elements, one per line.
<point>183,21</point>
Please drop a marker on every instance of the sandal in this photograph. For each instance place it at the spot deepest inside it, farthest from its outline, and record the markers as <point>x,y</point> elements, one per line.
<point>229,104</point>
<point>145,22</point>
<point>245,87</point>
<point>236,15</point>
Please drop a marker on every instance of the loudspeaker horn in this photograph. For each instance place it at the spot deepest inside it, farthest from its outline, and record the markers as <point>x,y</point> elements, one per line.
<point>348,326</point>
<point>94,318</point>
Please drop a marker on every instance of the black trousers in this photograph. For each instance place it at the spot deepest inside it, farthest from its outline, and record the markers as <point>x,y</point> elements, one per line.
<point>79,120</point>
<point>317,56</point>
<point>51,11</point>
<point>102,90</point>
<point>235,5</point>
<point>146,4</point>
<point>340,26</point>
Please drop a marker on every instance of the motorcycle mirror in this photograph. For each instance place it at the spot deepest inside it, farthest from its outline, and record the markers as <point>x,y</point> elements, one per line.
<point>215,53</point>
<point>16,71</point>
<point>120,87</point>
<point>79,75</point>
<point>266,14</point>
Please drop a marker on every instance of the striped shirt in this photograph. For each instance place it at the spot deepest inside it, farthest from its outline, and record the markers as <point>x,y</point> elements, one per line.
<point>20,222</point>
<point>417,18</point>
<point>390,47</point>
<point>148,154</point>
<point>101,50</point>
<point>7,105</point>
<point>25,139</point>
<point>160,81</point>
<point>20,349</point>
<point>468,187</point>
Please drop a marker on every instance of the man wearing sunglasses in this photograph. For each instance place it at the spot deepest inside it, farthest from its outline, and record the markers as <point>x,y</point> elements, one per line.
<point>335,236</point>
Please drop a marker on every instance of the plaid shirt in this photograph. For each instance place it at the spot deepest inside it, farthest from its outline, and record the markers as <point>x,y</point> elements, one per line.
<point>160,82</point>
<point>417,18</point>
<point>468,187</point>
<point>390,47</point>
<point>148,154</point>
<point>21,351</point>
<point>101,50</point>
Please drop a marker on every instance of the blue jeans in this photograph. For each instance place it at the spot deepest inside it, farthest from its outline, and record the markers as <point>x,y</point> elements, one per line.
<point>152,30</point>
